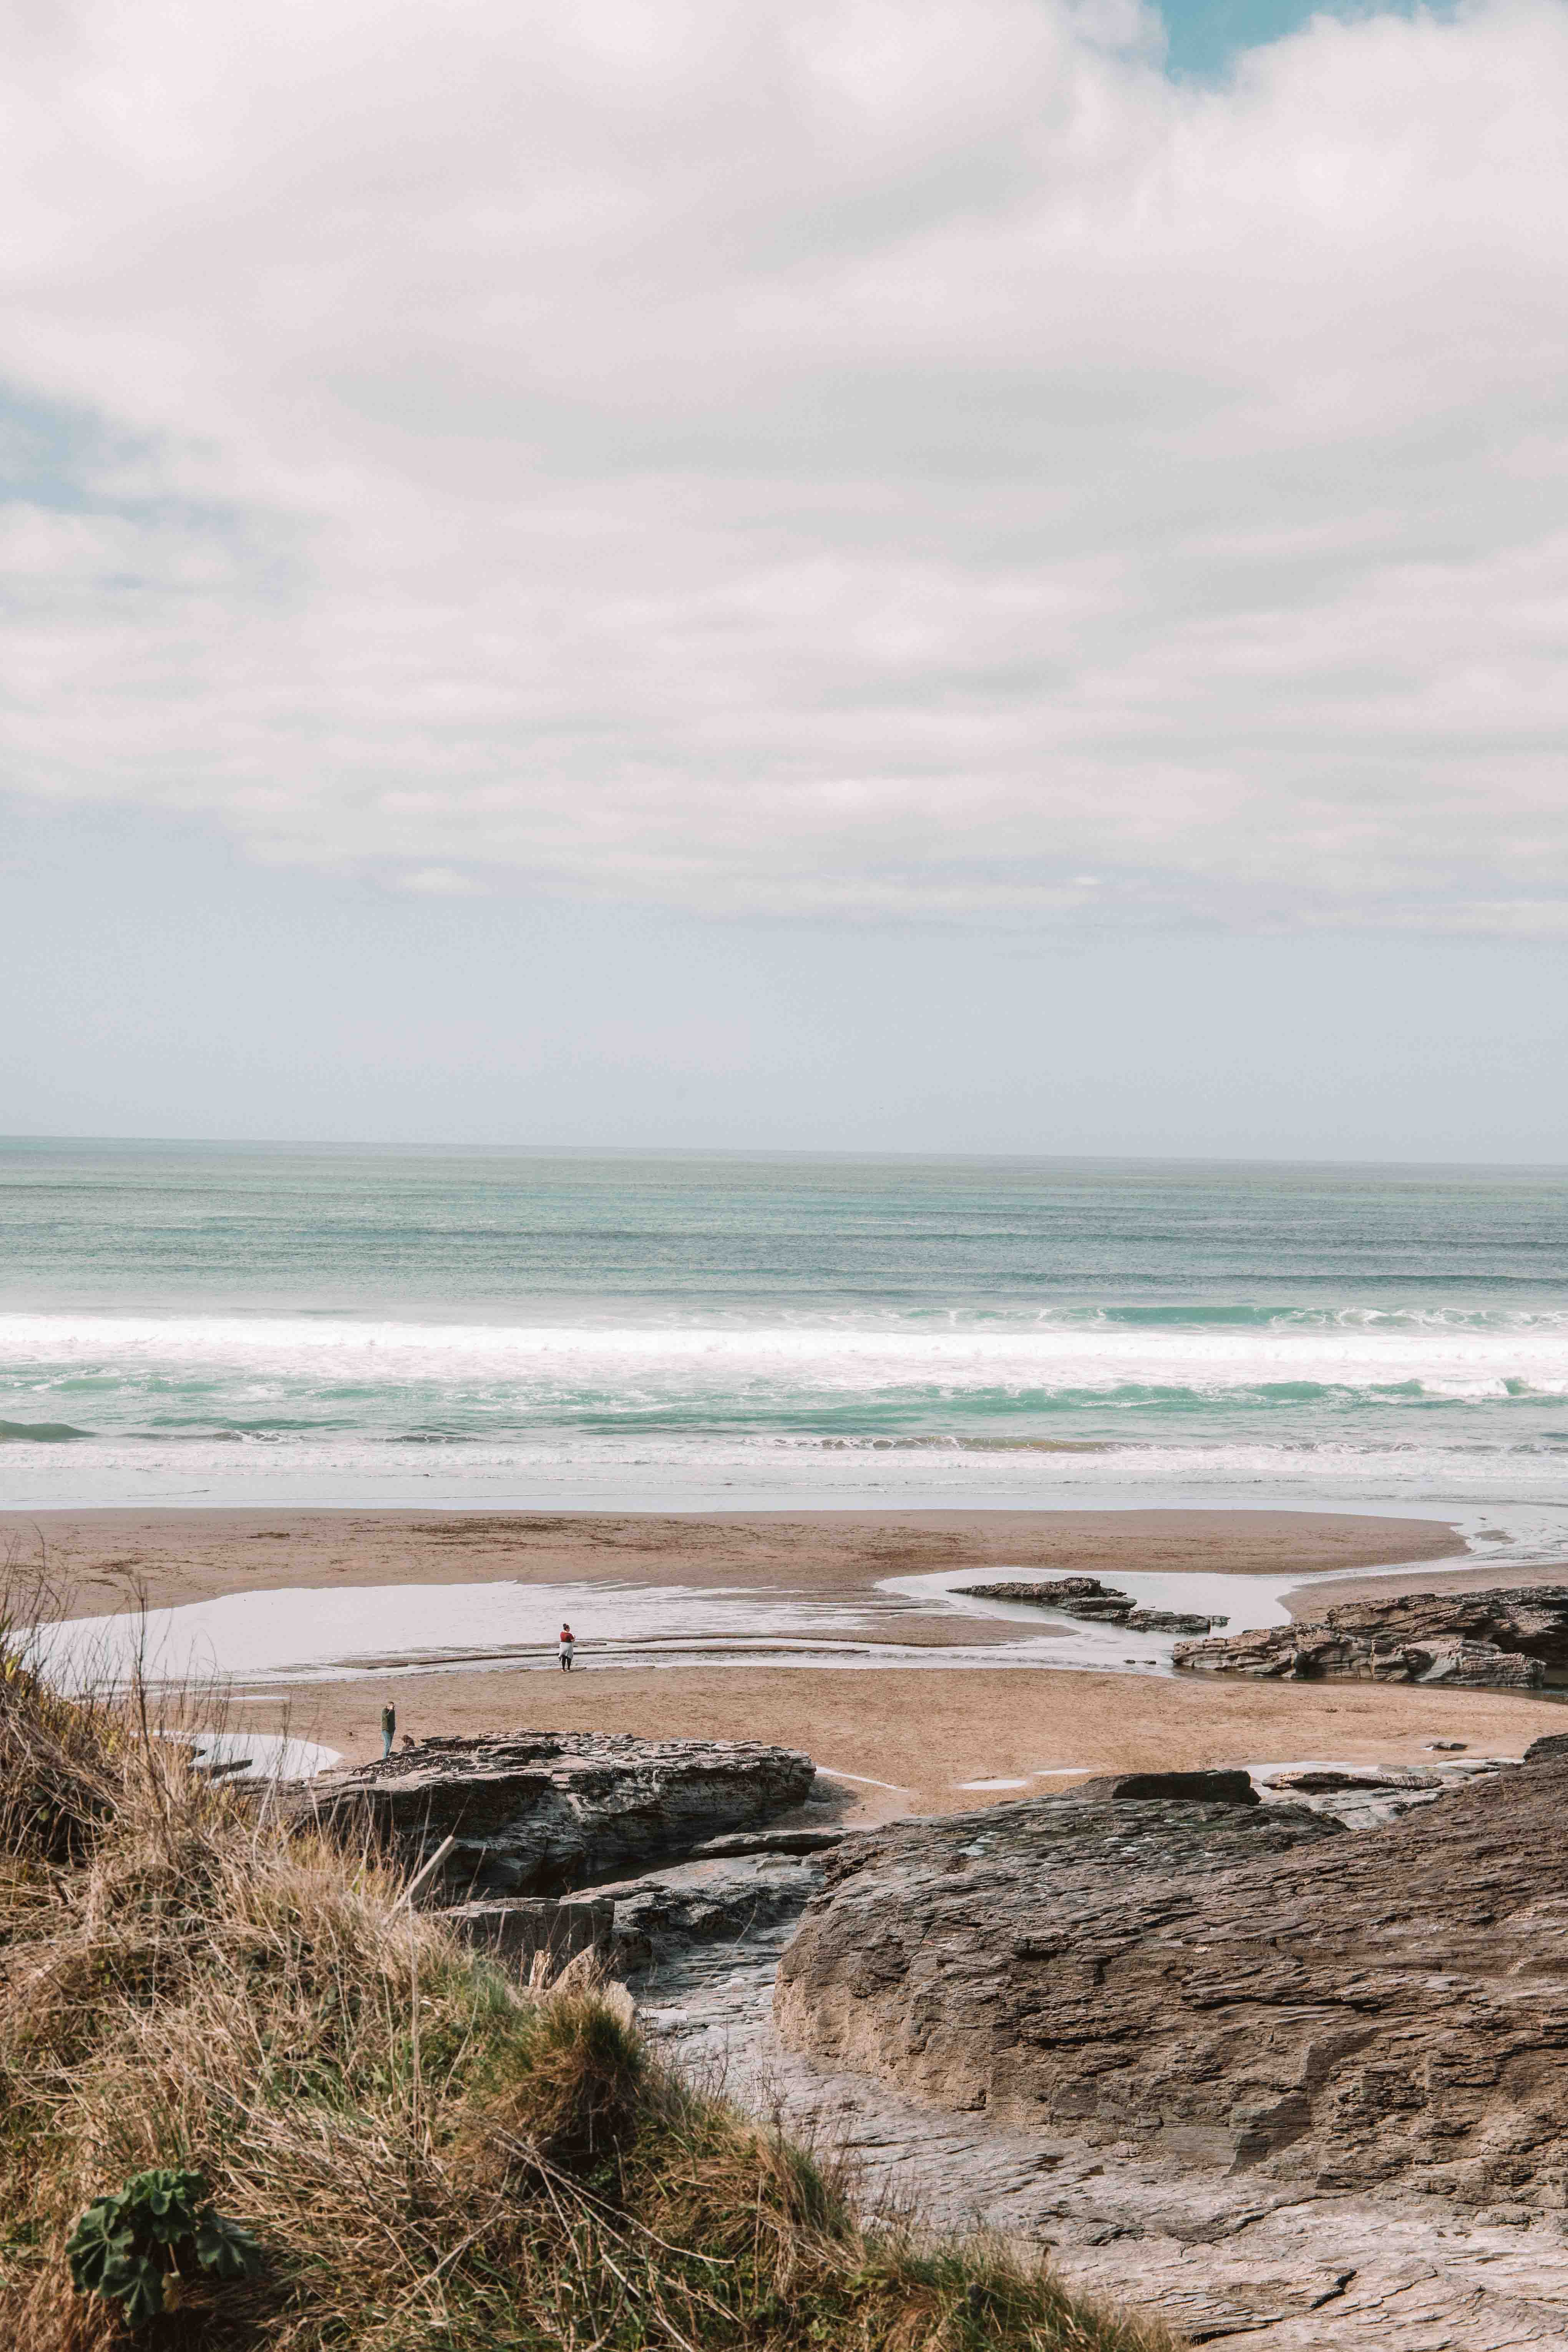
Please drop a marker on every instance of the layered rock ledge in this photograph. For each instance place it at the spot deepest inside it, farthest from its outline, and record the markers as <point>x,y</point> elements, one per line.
<point>1251,1988</point>
<point>1094,1603</point>
<point>1506,1640</point>
<point>535,1813</point>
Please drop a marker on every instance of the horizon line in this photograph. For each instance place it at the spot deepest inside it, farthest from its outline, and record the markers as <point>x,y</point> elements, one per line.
<point>794,1152</point>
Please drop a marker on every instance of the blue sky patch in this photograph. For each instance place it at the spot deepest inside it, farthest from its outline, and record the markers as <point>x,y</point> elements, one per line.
<point>1206,36</point>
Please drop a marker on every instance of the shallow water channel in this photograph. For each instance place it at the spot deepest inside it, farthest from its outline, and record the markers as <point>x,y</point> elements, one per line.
<point>310,1634</point>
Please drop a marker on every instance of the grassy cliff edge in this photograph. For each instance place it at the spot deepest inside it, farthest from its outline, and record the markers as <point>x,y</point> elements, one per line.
<point>429,2154</point>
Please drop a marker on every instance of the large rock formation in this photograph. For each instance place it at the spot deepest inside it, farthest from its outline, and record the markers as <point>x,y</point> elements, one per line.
<point>1514,1640</point>
<point>1246,1987</point>
<point>536,1814</point>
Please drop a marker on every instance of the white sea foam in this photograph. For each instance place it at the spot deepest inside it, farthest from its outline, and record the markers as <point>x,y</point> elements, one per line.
<point>1352,1406</point>
<point>1438,1358</point>
<point>666,1472</point>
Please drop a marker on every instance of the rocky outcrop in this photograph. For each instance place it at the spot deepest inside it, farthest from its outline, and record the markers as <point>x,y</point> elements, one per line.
<point>1515,1640</point>
<point>1221,2257</point>
<point>1254,1988</point>
<point>1094,1603</point>
<point>537,1813</point>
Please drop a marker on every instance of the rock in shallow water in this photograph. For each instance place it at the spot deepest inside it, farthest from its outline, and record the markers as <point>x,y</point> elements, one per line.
<point>1169,1620</point>
<point>1094,1603</point>
<point>1071,1596</point>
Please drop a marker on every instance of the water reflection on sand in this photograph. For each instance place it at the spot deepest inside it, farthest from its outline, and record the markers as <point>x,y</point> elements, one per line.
<point>308,1634</point>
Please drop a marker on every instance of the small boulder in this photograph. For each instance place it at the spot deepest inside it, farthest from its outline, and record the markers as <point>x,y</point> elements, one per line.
<point>1192,1788</point>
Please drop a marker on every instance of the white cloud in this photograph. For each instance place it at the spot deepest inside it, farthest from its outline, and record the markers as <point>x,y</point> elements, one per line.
<point>885,459</point>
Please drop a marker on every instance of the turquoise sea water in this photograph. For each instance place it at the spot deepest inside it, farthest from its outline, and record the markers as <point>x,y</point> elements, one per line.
<point>212,1324</point>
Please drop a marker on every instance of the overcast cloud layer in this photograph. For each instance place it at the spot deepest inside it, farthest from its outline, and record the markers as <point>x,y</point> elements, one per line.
<point>909,458</point>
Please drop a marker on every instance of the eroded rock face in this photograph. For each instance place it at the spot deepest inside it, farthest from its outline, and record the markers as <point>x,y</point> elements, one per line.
<point>536,1814</point>
<point>1514,1640</point>
<point>1239,1987</point>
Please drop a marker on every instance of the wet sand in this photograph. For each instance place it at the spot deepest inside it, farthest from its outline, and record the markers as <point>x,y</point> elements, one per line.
<point>98,1561</point>
<point>927,1732</point>
<point>1307,1602</point>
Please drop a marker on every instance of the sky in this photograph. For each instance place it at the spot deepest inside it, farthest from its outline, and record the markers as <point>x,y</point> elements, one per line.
<point>884,574</point>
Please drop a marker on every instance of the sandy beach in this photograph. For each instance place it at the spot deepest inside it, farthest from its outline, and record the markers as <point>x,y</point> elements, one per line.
<point>100,1561</point>
<point>897,1742</point>
<point>926,1735</point>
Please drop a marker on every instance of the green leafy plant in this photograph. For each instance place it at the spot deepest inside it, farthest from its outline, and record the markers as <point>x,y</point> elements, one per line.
<point>160,2221</point>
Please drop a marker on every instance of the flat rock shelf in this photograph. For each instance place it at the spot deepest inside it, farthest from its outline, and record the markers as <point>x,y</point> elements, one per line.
<point>535,1813</point>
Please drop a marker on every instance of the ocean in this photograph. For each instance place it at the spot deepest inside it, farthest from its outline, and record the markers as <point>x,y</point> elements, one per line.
<point>188,1324</point>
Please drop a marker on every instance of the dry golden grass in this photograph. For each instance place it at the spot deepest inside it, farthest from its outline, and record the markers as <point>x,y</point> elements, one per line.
<point>431,2154</point>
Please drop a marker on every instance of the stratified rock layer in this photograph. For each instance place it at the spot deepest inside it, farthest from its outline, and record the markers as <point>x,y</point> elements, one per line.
<point>1246,1987</point>
<point>536,1814</point>
<point>1097,1604</point>
<point>1074,1596</point>
<point>1504,1640</point>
